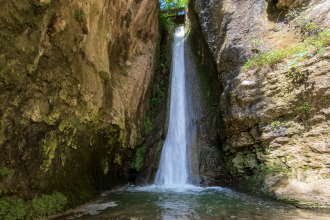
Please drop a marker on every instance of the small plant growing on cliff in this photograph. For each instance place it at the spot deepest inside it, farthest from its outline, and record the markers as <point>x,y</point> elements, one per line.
<point>79,15</point>
<point>308,27</point>
<point>275,124</point>
<point>296,75</point>
<point>256,44</point>
<point>305,107</point>
<point>291,14</point>
<point>104,75</point>
<point>166,23</point>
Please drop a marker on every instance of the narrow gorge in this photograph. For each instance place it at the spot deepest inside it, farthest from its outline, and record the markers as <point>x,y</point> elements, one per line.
<point>170,109</point>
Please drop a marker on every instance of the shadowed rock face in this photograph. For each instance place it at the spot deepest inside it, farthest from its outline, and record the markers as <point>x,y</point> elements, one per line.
<point>73,82</point>
<point>228,28</point>
<point>276,120</point>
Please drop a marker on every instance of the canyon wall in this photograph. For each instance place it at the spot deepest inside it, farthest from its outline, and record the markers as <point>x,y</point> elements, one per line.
<point>275,131</point>
<point>74,80</point>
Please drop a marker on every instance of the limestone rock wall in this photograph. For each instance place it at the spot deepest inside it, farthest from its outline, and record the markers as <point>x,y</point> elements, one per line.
<point>275,134</point>
<point>74,77</point>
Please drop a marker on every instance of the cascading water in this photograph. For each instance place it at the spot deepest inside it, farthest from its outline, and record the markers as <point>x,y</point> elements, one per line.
<point>173,168</point>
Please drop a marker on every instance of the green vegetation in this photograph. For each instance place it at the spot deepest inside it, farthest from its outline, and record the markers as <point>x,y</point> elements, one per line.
<point>305,107</point>
<point>173,4</point>
<point>275,124</point>
<point>79,15</point>
<point>256,44</point>
<point>292,13</point>
<point>4,172</point>
<point>311,45</point>
<point>13,209</point>
<point>39,207</point>
<point>266,169</point>
<point>139,158</point>
<point>104,75</point>
<point>167,23</point>
<point>296,75</point>
<point>165,18</point>
<point>148,125</point>
<point>308,27</point>
<point>46,205</point>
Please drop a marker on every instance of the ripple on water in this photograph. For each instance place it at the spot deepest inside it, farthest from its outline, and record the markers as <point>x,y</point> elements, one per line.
<point>190,202</point>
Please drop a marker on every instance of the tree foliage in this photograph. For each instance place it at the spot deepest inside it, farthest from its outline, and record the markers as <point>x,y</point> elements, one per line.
<point>172,4</point>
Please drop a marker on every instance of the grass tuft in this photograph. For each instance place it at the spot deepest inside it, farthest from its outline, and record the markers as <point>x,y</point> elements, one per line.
<point>317,43</point>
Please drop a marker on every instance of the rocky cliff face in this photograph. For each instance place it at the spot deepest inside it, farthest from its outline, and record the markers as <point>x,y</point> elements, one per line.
<point>74,77</point>
<point>276,117</point>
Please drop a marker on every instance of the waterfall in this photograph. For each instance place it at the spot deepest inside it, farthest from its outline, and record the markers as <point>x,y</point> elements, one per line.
<point>173,168</point>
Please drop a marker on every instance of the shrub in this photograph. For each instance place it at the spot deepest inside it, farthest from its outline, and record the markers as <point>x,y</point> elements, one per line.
<point>13,209</point>
<point>167,23</point>
<point>46,205</point>
<point>39,207</point>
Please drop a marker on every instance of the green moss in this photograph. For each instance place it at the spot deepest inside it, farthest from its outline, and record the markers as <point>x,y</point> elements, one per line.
<point>39,207</point>
<point>49,145</point>
<point>4,172</point>
<point>104,75</point>
<point>310,44</point>
<point>139,158</point>
<point>148,125</point>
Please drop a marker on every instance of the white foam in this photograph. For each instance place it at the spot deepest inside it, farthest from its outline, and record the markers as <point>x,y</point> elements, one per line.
<point>187,188</point>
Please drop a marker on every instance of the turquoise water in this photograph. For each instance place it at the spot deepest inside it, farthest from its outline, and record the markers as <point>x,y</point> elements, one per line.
<point>152,203</point>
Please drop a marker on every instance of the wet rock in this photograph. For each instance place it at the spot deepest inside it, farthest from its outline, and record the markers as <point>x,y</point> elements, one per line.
<point>286,117</point>
<point>74,78</point>
<point>243,140</point>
